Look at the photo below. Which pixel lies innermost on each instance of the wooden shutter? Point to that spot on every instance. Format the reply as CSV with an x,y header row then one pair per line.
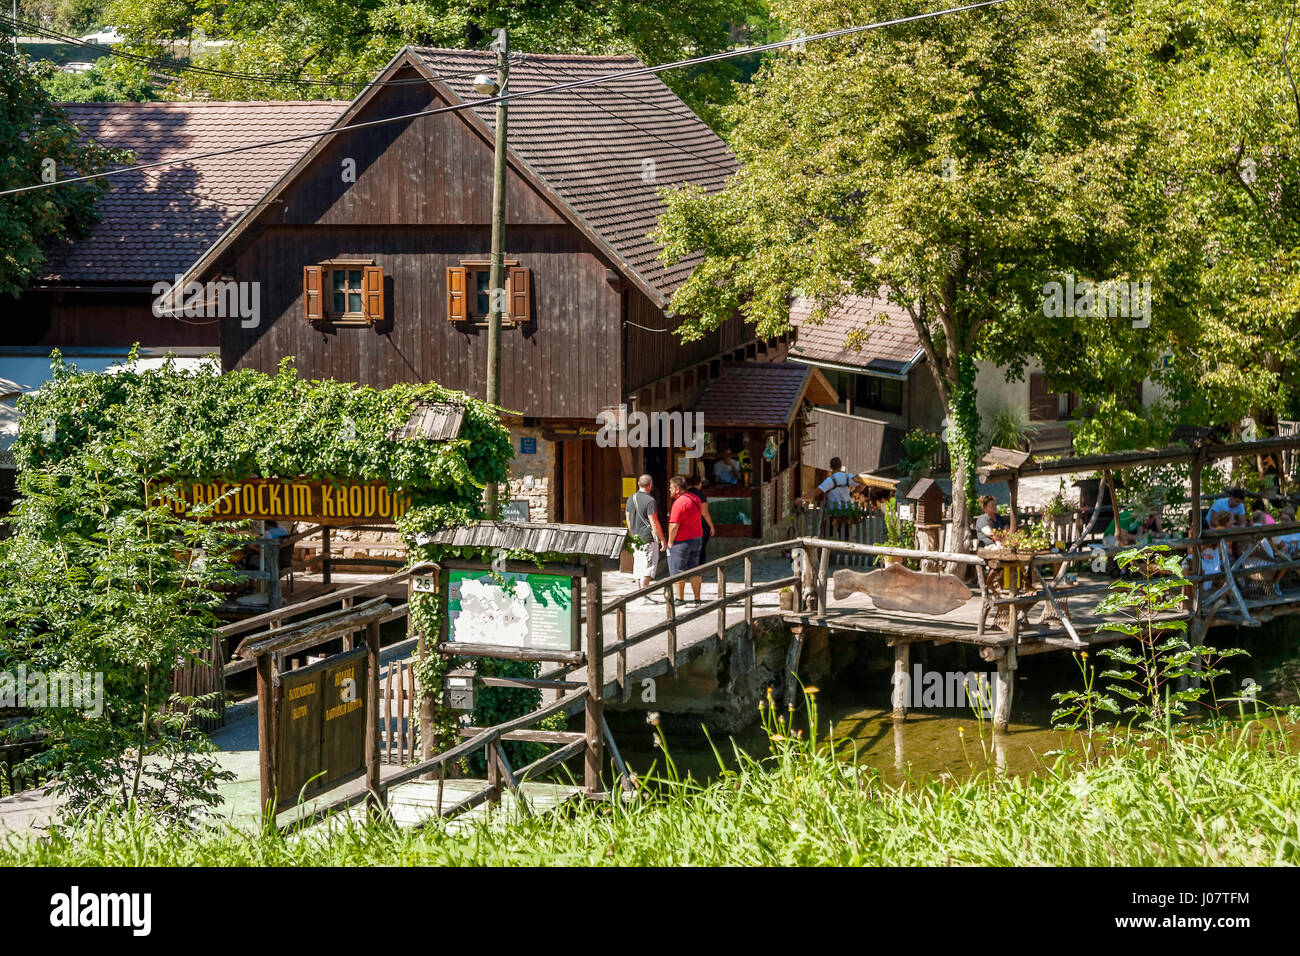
x,y
519,296
313,279
1043,405
372,294
456,279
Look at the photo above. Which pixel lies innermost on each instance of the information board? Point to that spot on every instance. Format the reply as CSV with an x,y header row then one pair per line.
x,y
512,609
321,736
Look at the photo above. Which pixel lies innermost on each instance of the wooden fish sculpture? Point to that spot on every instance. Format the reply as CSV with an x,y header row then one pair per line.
x,y
896,588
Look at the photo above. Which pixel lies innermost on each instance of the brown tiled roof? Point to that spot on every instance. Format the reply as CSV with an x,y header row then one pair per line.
x,y
589,144
887,347
154,223
764,395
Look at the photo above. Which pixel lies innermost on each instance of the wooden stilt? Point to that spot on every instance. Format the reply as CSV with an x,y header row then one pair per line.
x,y
374,796
792,655
1005,690
902,691
595,704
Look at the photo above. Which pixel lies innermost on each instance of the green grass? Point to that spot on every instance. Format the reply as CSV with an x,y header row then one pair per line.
x,y
1226,799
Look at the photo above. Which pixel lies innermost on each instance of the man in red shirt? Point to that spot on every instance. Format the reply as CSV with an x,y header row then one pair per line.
x,y
685,535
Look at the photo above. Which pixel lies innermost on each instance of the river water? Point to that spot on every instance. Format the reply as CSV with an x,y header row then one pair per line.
x,y
935,742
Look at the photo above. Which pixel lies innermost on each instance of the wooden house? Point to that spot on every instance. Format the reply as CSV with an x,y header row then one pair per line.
x,y
371,253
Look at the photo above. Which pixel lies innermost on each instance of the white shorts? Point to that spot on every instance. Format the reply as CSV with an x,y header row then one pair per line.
x,y
645,560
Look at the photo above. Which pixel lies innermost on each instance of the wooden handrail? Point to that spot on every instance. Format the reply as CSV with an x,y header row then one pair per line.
x,y
324,600
482,740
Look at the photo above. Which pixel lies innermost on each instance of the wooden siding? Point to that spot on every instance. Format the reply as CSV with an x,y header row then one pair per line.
x,y
564,364
90,319
862,444
650,355
435,170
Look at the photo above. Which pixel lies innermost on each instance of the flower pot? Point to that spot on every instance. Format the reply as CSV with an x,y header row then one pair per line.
x,y
787,600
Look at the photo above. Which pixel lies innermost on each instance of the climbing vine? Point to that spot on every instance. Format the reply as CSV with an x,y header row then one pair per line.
x,y
99,576
964,427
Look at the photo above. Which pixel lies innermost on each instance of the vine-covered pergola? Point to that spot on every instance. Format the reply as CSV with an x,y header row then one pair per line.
x,y
133,485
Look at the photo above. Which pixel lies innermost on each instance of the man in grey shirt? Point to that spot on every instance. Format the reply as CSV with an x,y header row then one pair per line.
x,y
642,518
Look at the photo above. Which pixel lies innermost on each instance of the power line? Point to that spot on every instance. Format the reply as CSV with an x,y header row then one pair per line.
x,y
171,67
522,94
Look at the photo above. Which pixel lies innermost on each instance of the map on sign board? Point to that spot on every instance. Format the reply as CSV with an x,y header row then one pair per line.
x,y
514,609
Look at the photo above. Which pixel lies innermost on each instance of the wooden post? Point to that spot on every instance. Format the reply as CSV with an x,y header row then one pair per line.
x,y
749,583
347,635
1196,527
1006,685
266,733
325,554
271,561
497,273
807,581
671,610
792,655
374,799
823,575
722,602
620,619
1012,487
901,694
595,703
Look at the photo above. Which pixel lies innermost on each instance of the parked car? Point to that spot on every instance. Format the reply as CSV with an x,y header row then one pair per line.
x,y
105,35
80,66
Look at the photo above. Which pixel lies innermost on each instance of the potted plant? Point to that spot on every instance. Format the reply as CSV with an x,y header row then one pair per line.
x,y
895,533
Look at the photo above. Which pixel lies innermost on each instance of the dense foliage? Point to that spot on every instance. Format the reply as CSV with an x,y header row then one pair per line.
x,y
40,145
955,166
341,44
1224,799
99,576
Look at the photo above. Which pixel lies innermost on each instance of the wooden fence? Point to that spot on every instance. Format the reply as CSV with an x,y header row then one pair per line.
x,y
400,717
11,755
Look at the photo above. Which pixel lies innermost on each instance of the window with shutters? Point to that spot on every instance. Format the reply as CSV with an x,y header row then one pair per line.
x,y
344,292
469,293
1046,405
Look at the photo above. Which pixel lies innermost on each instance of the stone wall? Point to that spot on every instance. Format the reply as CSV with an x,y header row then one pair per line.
x,y
539,466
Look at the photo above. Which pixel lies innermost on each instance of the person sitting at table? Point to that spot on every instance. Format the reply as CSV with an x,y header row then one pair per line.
x,y
1233,504
1263,555
1259,506
1123,533
726,471
1288,543
989,523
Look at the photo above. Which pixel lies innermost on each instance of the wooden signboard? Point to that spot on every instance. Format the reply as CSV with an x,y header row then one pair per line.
x,y
308,500
531,611
320,736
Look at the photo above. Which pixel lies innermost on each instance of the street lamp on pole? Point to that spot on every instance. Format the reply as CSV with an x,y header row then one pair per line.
x,y
497,279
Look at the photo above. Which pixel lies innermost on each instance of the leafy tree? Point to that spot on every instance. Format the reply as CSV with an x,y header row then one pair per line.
x,y
39,140
348,41
1216,80
100,576
954,165
112,82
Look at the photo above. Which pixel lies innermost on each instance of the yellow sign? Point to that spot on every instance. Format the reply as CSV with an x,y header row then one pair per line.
x,y
308,500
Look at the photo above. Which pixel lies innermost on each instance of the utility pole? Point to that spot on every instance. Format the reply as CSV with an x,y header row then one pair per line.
x,y
498,274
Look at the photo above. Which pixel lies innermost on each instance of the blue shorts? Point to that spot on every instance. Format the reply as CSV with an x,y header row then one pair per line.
x,y
684,555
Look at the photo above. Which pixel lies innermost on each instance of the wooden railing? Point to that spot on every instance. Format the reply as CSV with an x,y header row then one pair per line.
x,y
812,557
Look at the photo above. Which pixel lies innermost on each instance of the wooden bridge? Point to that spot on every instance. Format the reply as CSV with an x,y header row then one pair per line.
x,y
1015,605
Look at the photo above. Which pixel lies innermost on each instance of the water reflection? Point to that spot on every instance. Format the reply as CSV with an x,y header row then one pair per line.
x,y
950,744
